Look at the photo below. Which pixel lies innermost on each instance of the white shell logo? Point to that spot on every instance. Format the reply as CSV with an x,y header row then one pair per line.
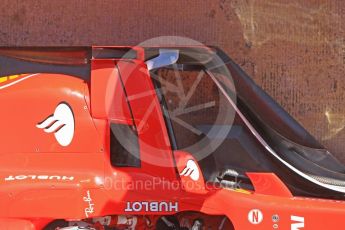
x,y
191,170
61,123
255,216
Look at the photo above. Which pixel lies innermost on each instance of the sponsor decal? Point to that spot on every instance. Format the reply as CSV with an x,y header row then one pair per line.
x,y
39,177
255,216
152,206
275,218
191,170
298,222
90,208
61,123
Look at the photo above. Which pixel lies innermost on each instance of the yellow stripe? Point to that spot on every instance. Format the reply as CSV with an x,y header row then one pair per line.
x,y
3,79
13,76
243,191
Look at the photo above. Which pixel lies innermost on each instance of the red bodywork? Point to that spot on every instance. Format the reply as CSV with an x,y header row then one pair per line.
x,y
42,181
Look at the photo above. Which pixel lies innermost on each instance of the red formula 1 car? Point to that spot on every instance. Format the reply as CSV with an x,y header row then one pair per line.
x,y
154,138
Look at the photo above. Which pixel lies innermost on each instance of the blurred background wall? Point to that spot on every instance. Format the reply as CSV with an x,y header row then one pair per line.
x,y
294,49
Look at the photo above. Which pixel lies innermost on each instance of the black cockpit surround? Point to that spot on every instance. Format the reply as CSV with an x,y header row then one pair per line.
x,y
288,139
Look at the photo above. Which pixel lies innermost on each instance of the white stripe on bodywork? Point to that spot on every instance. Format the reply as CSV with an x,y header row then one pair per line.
x,y
17,81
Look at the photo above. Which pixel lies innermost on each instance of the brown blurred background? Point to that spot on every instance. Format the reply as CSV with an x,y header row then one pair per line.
x,y
294,49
